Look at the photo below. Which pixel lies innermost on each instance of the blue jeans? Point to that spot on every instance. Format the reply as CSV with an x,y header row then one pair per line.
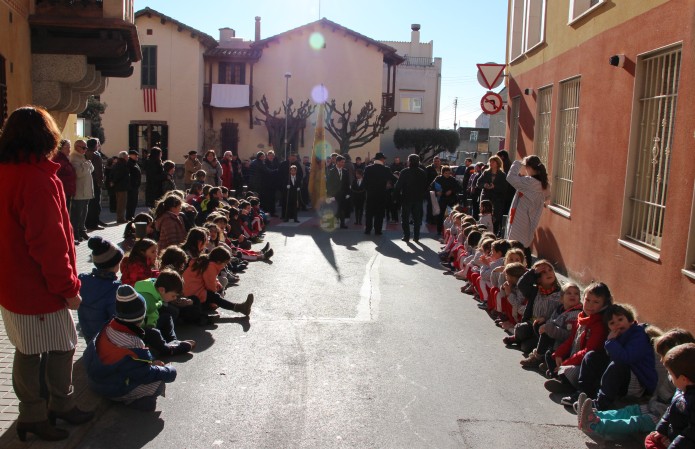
x,y
78,214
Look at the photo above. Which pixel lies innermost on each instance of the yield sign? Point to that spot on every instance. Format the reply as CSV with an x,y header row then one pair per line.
x,y
490,74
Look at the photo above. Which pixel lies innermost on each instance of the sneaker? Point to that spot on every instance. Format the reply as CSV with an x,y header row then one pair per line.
x,y
482,306
588,417
577,406
180,347
570,399
557,386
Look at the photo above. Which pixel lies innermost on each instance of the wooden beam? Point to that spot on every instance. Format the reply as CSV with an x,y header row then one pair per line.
x,y
95,48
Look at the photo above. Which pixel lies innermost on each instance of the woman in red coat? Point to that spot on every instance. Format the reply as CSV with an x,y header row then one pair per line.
x,y
39,280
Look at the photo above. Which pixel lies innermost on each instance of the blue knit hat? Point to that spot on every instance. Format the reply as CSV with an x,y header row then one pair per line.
x,y
130,305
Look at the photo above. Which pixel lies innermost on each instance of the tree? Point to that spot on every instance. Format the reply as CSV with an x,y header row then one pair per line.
x,y
93,113
354,133
275,124
426,143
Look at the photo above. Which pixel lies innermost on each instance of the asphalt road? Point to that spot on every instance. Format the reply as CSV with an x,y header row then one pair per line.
x,y
353,342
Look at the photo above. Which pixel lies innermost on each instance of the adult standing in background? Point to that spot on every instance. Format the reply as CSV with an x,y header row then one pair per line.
x,y
93,221
412,186
190,167
120,183
446,193
154,172
532,191
273,165
338,188
135,179
66,172
227,170
493,183
376,176
261,179
84,189
432,172
506,164
213,169
39,281
397,165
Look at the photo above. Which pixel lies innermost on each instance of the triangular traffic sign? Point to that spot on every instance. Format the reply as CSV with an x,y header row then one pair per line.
x,y
491,74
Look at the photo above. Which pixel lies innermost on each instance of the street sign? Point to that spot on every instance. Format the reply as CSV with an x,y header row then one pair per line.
x,y
490,75
491,103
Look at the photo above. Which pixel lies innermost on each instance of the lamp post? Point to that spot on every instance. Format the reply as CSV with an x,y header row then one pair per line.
x,y
288,75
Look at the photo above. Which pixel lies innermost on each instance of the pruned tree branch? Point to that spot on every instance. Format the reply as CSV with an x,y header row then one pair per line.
x,y
354,133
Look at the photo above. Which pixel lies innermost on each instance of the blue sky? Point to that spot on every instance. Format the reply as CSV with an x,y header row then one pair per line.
x,y
465,32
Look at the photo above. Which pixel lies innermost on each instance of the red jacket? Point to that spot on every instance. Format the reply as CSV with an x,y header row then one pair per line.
x,y
592,337
66,173
38,269
131,272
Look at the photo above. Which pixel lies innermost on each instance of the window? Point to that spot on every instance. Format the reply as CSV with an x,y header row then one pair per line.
x,y
3,92
527,26
149,66
474,136
542,141
564,156
411,102
514,127
145,135
657,80
232,73
580,8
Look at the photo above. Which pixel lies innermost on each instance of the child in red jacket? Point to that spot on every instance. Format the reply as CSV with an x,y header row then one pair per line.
x,y
138,264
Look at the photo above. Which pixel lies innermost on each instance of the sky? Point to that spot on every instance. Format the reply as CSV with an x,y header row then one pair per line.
x,y
464,32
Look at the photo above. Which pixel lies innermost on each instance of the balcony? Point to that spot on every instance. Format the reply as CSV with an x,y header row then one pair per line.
x,y
416,61
388,106
87,40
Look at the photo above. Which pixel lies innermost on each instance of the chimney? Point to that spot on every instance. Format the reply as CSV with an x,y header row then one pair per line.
x,y
226,35
415,33
258,28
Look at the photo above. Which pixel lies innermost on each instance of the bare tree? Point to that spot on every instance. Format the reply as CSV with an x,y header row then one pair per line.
x,y
275,123
354,132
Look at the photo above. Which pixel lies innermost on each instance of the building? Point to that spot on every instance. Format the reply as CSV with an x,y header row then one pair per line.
x,y
600,90
56,54
206,91
474,144
418,88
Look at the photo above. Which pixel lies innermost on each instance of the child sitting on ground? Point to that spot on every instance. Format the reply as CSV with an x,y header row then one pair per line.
x,y
498,251
159,322
486,214
675,430
636,418
99,287
168,222
513,299
119,365
139,263
129,237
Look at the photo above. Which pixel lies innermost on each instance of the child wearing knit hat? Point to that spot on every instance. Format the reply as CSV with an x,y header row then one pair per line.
x,y
99,287
119,365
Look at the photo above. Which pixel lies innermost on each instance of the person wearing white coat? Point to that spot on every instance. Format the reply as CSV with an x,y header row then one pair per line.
x,y
84,190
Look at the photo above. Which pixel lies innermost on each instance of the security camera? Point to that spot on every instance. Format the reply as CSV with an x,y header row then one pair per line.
x,y
617,60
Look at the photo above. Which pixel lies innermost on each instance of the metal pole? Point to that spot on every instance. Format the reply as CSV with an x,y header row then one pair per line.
x,y
288,75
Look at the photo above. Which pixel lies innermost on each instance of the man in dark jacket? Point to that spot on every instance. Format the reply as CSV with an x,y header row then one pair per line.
x,y
262,182
94,155
120,183
412,186
135,179
284,177
376,176
338,188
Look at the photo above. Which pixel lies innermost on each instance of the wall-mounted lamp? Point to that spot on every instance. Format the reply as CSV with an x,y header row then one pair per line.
x,y
617,60
528,91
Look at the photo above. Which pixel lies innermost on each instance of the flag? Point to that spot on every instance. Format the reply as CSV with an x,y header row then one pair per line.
x,y
150,98
317,173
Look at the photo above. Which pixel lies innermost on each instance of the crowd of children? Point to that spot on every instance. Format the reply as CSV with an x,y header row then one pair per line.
x,y
178,264
592,351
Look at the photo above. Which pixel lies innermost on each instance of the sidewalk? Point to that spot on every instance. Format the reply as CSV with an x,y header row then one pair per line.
x,y
85,398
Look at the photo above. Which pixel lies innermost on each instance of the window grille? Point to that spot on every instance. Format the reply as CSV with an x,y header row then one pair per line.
x,y
514,127
542,142
473,137
564,158
657,107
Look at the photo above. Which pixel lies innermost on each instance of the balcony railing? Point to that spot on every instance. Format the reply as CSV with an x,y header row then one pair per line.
x,y
417,61
388,102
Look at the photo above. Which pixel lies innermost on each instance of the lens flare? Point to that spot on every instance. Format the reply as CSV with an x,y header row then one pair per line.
x,y
319,94
323,150
317,41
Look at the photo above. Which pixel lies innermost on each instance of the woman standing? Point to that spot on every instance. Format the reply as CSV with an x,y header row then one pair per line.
x,y
154,171
493,183
527,206
213,169
446,188
66,172
39,279
84,189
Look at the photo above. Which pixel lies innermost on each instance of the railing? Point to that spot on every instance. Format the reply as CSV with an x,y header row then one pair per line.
x,y
418,61
388,102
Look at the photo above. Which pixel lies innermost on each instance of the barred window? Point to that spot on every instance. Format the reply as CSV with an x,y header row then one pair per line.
x,y
514,127
565,148
149,66
657,81
542,141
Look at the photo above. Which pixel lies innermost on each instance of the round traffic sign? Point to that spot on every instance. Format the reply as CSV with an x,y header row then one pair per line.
x,y
491,103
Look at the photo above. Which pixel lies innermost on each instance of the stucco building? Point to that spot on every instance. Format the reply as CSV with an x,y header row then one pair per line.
x,y
600,90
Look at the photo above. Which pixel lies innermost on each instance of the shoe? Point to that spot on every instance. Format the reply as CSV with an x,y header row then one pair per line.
x,y
482,305
245,307
180,347
577,406
96,228
405,239
446,265
570,399
416,239
266,247
84,235
256,240
182,302
42,429
588,416
510,340
268,254
77,242
101,223
377,232
296,221
460,275
532,361
73,416
542,367
557,386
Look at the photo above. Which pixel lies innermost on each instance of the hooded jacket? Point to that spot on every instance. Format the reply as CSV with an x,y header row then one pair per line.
x,y
98,305
634,348
153,300
590,333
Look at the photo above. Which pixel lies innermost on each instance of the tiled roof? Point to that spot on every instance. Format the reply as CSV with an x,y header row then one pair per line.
x,y
241,53
389,52
205,39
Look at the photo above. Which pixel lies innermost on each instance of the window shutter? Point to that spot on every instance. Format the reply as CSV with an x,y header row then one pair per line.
x,y
133,137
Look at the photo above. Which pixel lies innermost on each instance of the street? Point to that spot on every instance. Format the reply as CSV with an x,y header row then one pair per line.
x,y
353,341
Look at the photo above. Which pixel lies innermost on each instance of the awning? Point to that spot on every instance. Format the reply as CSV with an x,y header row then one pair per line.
x,y
229,96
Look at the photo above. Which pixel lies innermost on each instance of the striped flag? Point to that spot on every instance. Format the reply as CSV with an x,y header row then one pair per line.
x,y
150,97
317,173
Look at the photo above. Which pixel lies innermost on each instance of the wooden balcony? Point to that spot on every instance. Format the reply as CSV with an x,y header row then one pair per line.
x,y
388,105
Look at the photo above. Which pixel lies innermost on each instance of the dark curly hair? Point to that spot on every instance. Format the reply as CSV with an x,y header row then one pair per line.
x,y
29,134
